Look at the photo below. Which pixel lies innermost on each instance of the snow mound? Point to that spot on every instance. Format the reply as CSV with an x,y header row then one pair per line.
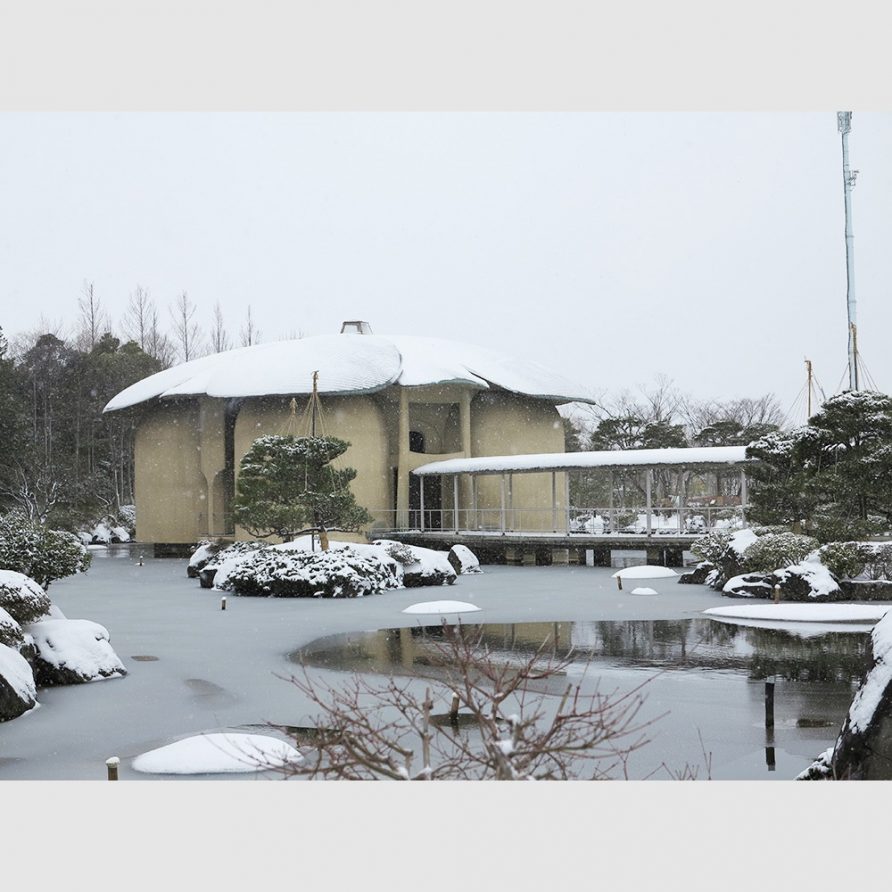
x,y
348,365
218,754
804,613
71,651
438,607
646,571
644,591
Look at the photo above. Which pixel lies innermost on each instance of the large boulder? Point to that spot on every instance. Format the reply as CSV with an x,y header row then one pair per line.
x,y
201,557
749,585
18,692
463,560
699,575
420,566
21,597
72,651
863,749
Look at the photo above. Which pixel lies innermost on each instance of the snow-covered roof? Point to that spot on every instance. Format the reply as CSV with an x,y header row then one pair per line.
x,y
349,364
700,457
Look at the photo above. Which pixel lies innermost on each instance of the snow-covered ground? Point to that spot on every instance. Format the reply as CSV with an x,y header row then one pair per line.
x,y
195,669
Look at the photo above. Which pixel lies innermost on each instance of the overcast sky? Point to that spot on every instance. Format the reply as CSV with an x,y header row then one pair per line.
x,y
611,247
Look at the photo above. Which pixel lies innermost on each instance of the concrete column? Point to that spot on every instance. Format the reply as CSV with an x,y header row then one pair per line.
x,y
464,410
648,486
455,502
554,528
743,492
212,459
402,484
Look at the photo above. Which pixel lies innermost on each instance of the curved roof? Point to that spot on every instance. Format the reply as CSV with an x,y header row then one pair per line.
x,y
349,364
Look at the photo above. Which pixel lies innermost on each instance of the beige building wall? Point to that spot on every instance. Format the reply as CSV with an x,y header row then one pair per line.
x,y
356,419
171,491
508,424
182,476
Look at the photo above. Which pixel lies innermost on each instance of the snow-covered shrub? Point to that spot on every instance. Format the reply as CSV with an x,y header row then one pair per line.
x,y
399,551
724,550
775,550
338,573
42,554
845,560
72,651
712,547
879,562
213,574
10,631
21,597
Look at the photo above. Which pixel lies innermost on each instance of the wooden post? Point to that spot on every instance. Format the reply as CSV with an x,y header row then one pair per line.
x,y
112,767
223,603
769,704
619,582
777,594
453,711
743,491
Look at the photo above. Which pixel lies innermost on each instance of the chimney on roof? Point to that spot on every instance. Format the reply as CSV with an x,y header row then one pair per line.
x,y
356,326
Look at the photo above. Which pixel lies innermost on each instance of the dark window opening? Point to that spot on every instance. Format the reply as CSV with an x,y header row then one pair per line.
x,y
416,441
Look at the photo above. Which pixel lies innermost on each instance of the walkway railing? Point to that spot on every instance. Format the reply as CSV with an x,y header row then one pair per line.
x,y
691,520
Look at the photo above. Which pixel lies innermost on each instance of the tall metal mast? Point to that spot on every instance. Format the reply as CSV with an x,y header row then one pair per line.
x,y
844,125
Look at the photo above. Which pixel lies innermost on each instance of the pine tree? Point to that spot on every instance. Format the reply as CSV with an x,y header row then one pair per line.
x,y
835,474
286,485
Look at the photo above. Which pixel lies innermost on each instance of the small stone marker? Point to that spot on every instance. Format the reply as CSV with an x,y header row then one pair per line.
x,y
777,594
112,767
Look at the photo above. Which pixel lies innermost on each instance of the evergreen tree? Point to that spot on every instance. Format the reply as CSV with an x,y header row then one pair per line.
x,y
834,474
287,484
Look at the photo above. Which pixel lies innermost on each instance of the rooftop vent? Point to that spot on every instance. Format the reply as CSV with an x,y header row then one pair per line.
x,y
355,326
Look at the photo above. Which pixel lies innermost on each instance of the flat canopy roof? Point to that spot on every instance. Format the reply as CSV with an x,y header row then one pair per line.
x,y
699,458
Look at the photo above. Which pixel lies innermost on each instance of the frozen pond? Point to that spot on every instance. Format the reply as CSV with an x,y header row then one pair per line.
x,y
194,668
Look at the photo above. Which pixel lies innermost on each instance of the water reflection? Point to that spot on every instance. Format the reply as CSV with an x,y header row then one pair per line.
x,y
762,703
695,644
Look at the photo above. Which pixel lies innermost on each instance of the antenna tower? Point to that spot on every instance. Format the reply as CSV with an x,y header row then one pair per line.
x,y
844,125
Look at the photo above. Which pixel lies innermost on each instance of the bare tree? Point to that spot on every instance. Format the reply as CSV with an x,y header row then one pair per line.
x,y
158,344
249,333
137,319
219,335
34,490
509,718
186,332
94,321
